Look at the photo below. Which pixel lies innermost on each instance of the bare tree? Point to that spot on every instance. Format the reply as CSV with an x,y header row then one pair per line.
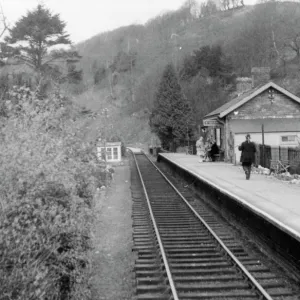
x,y
294,44
193,7
4,26
225,4
290,29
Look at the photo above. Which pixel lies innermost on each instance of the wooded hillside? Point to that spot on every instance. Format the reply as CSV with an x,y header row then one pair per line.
x,y
124,66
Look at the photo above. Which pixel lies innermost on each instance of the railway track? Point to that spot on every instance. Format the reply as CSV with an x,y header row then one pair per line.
x,y
182,255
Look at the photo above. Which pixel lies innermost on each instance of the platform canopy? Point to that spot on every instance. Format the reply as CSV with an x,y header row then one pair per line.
x,y
212,121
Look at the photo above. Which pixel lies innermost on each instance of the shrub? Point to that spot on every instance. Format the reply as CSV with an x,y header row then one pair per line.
x,y
48,178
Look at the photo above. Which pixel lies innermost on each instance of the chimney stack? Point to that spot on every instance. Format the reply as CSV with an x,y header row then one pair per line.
x,y
243,84
260,75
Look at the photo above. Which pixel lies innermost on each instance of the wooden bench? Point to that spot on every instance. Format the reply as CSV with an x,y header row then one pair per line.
x,y
219,156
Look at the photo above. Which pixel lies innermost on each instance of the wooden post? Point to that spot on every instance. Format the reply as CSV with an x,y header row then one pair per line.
x,y
263,144
188,138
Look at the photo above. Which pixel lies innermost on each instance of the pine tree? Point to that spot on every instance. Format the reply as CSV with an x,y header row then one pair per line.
x,y
171,118
33,36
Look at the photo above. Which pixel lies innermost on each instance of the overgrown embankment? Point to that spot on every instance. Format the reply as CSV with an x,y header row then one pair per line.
x,y
48,178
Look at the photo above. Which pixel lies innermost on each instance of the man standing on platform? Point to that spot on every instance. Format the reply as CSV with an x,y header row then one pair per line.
x,y
248,155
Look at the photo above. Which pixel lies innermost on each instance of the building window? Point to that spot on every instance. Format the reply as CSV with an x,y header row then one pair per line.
x,y
288,138
108,154
102,153
115,153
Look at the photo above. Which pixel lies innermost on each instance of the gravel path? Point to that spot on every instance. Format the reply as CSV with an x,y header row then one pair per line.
x,y
112,257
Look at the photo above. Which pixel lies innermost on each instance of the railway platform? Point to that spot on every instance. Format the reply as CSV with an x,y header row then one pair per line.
x,y
276,201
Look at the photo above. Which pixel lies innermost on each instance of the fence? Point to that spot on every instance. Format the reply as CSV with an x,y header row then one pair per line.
x,y
266,154
263,156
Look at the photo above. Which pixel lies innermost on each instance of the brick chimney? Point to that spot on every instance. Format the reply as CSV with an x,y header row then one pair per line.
x,y
260,75
243,84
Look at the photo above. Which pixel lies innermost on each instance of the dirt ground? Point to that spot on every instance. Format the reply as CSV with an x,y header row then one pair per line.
x,y
112,259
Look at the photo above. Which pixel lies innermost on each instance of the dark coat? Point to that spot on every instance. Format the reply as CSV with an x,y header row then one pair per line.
x,y
214,149
248,152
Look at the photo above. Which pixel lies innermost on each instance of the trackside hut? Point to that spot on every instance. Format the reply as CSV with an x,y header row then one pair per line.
x,y
269,106
109,151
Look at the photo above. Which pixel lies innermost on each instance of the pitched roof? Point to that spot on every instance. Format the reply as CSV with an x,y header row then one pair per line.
x,y
108,144
233,104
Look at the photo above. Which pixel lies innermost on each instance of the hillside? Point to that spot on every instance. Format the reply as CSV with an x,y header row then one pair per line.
x,y
167,37
124,66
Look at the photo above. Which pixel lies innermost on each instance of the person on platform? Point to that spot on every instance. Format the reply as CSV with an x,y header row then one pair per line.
x,y
207,147
200,149
248,155
214,149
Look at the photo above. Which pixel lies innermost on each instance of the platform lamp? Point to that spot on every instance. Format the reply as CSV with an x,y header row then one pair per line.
x,y
204,129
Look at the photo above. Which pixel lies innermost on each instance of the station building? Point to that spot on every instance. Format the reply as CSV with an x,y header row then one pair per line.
x,y
267,111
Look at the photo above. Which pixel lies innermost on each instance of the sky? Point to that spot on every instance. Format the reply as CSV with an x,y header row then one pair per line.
x,y
86,18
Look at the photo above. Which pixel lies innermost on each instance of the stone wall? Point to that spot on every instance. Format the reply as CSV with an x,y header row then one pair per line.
x,y
263,107
243,84
279,114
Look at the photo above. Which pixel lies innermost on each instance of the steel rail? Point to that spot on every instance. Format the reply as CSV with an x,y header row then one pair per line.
x,y
232,256
166,264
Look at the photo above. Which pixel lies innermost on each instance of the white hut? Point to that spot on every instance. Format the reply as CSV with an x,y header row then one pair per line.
x,y
112,150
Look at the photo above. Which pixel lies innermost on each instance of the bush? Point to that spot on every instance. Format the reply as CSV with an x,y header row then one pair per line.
x,y
48,178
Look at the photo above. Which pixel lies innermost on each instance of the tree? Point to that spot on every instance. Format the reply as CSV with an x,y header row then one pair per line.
x,y
204,96
257,42
3,25
3,29
99,75
191,7
123,62
74,75
171,118
290,27
34,35
208,8
98,71
207,59
51,184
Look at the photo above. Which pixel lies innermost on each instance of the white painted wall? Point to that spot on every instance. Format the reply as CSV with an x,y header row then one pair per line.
x,y
271,139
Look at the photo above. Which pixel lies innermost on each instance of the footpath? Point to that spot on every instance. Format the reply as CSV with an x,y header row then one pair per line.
x,y
275,200
112,259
